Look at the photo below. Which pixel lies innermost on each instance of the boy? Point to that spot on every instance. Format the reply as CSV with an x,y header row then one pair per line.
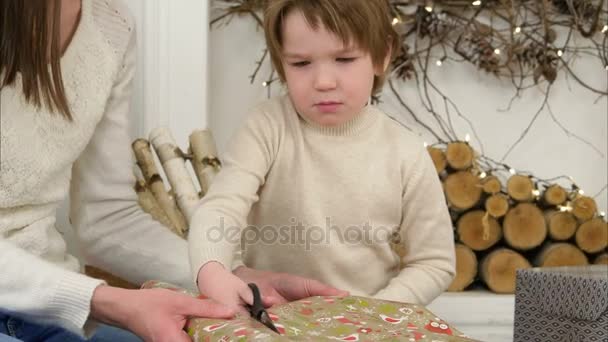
x,y
321,156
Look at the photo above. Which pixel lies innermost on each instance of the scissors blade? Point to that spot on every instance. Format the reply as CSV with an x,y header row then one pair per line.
x,y
265,319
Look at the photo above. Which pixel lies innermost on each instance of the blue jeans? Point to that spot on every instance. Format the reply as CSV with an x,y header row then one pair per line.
x,y
13,329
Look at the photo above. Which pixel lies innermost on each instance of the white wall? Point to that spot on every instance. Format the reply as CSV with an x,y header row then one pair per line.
x,y
546,151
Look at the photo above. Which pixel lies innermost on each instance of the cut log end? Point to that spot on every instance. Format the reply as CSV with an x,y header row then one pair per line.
x,y
462,190
459,155
524,227
497,205
478,230
498,269
491,185
560,254
520,188
438,158
555,195
601,259
584,208
561,225
466,268
592,236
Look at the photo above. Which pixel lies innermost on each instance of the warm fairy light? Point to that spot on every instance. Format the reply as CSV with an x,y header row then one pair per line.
x,y
564,208
483,175
467,138
265,84
429,9
395,21
517,29
476,2
497,51
536,192
605,29
439,62
426,144
512,171
581,192
560,53
602,214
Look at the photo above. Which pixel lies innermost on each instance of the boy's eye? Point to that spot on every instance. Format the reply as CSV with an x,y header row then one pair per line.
x,y
300,64
345,59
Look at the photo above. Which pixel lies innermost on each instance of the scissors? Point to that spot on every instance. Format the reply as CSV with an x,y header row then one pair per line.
x,y
257,310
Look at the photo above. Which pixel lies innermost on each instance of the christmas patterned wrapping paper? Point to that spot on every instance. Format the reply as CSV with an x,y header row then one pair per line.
x,y
328,319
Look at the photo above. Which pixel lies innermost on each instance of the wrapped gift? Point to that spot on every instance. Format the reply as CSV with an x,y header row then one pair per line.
x,y
562,304
348,318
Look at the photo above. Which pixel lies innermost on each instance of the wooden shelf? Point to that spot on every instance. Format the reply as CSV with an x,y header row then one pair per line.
x,y
480,314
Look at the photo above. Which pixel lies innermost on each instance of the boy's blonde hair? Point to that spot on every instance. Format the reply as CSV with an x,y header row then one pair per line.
x,y
367,23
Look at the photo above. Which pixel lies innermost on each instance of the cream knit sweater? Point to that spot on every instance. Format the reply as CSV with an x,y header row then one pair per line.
x,y
44,156
321,202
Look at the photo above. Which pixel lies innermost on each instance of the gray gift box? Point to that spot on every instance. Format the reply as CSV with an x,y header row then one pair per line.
x,y
562,304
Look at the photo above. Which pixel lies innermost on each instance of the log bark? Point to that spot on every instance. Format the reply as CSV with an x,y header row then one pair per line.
x,y
520,188
491,185
478,230
466,268
145,160
584,208
592,236
524,227
205,161
561,225
497,205
459,155
555,195
498,269
462,190
560,254
148,203
174,165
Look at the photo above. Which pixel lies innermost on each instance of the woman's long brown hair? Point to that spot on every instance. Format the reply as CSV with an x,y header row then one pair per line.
x,y
29,44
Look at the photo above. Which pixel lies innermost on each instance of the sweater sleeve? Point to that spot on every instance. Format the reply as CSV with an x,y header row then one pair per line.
x,y
426,231
115,234
216,227
42,292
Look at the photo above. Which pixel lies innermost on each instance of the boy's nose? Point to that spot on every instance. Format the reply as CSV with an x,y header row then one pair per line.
x,y
324,80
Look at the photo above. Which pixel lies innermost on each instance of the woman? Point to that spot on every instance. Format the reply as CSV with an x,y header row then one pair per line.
x,y
66,73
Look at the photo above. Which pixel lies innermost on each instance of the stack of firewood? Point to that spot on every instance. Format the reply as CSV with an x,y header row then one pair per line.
x,y
500,227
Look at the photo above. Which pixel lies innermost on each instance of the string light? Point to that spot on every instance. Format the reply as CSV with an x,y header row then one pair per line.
x,y
581,192
605,29
497,51
429,9
439,63
536,192
483,175
512,171
602,214
517,30
560,53
395,21
476,3
564,208
426,144
467,138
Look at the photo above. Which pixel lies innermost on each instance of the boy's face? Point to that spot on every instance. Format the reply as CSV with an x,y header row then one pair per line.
x,y
329,83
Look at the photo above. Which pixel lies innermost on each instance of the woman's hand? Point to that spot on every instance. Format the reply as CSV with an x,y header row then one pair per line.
x,y
157,315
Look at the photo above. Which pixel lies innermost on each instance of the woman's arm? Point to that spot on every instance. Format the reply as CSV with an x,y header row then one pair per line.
x,y
116,235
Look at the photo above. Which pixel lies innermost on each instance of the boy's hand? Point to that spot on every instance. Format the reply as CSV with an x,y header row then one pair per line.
x,y
219,284
152,314
279,288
